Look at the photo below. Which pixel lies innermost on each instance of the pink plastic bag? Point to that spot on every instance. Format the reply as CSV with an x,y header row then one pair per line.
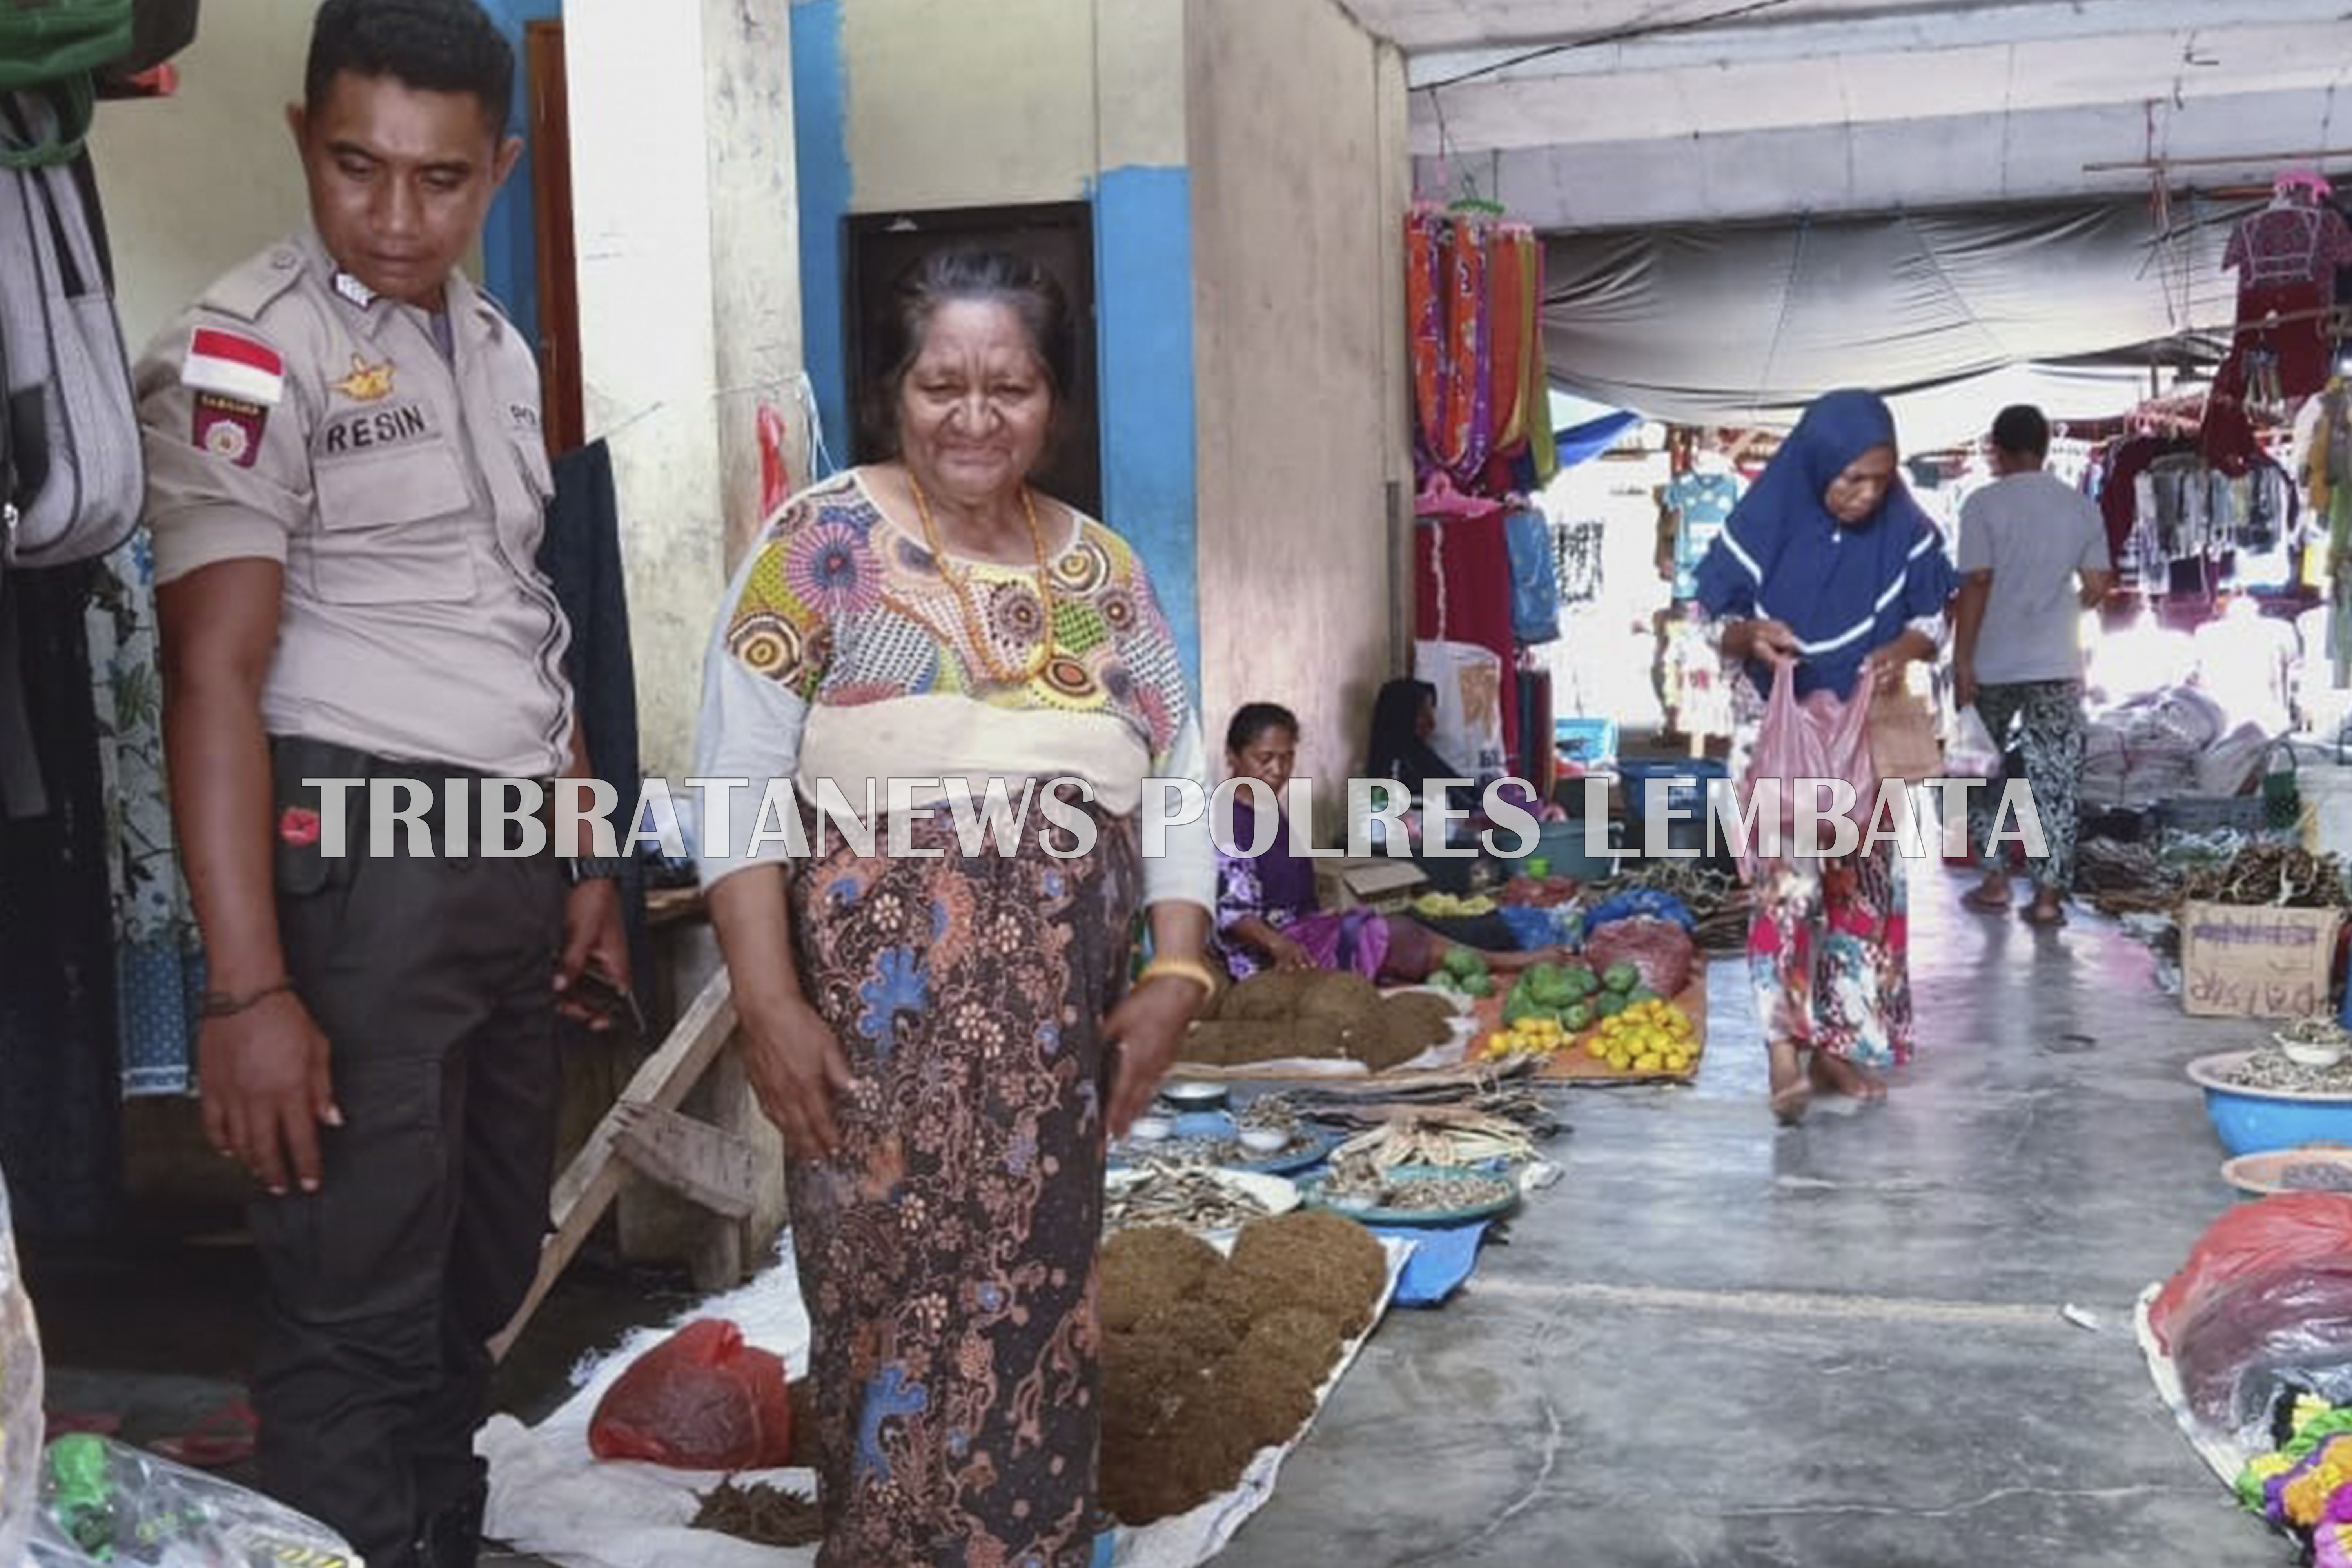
x,y
1818,737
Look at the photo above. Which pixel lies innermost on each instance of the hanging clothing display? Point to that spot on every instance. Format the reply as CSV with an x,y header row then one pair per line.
x,y
2285,258
1701,504
1482,403
158,962
2287,243
2327,473
60,1115
1577,547
1462,585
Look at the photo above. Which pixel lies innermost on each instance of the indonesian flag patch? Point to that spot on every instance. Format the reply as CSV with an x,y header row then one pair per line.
x,y
234,366
229,429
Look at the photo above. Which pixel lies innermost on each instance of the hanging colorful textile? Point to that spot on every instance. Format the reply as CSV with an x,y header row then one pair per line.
x,y
1507,298
1425,232
1543,445
1466,435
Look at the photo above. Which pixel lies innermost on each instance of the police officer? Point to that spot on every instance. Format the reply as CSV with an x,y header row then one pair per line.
x,y
346,491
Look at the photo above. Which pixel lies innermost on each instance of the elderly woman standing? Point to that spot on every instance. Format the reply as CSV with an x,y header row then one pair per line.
x,y
945,1041
1830,574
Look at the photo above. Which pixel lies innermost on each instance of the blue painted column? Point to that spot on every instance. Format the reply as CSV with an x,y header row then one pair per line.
x,y
510,235
821,161
1143,290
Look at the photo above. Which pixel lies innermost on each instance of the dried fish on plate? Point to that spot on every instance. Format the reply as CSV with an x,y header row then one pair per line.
x,y
1417,1190
1193,1197
1435,1136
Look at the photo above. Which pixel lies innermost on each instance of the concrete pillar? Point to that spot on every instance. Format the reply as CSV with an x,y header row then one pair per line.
x,y
686,218
690,305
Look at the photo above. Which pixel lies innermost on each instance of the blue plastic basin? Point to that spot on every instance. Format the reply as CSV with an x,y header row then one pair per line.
x,y
2259,1122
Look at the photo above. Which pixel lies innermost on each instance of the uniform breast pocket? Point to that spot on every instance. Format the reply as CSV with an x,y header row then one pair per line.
x,y
393,529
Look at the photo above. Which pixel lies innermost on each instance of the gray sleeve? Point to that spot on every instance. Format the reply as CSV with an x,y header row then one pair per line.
x,y
1974,553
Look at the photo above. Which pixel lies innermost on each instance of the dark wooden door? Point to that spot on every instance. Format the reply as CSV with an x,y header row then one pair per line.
x,y
559,279
1060,237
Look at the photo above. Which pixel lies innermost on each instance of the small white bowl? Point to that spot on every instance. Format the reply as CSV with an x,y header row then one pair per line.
x,y
1193,1094
2309,1053
1152,1128
1264,1140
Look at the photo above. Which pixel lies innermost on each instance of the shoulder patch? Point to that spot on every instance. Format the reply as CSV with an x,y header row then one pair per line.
x,y
234,366
248,291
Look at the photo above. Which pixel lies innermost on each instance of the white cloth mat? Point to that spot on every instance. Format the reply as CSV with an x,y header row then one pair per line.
x,y
551,1497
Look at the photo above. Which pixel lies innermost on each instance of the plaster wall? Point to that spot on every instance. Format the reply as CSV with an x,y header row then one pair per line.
x,y
196,183
1297,144
690,307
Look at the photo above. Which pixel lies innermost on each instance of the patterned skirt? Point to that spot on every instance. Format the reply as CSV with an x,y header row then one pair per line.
x,y
1829,956
947,1252
1829,943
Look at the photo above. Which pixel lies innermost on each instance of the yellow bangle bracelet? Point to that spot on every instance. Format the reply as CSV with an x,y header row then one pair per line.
x,y
1191,969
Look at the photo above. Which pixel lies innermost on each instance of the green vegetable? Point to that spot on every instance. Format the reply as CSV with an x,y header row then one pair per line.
x,y
1524,1004
1621,977
1640,994
1578,1018
1464,962
1550,982
1581,981
1478,984
1613,1003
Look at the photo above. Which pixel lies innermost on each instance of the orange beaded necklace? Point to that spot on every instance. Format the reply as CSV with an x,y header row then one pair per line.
x,y
959,580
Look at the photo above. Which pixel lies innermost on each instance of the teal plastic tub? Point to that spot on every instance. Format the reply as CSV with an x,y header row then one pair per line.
x,y
1560,845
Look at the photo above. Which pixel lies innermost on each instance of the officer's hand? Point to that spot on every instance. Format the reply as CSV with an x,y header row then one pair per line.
x,y
594,935
1145,1029
797,1069
264,1078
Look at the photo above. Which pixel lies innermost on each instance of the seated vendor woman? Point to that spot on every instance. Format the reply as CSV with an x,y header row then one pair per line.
x,y
1267,917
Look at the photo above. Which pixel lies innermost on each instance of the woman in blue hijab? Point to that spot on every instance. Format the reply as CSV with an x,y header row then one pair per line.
x,y
1829,563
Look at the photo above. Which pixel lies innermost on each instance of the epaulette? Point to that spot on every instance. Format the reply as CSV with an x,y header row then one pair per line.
x,y
247,291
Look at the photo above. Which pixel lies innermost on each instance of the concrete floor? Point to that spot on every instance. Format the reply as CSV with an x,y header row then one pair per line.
x,y
1718,1343
1715,1343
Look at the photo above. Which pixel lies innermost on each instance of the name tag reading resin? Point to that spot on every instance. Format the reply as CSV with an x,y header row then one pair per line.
x,y
379,427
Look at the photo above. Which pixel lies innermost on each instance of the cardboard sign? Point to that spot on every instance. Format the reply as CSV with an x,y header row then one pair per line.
x,y
1381,882
2238,961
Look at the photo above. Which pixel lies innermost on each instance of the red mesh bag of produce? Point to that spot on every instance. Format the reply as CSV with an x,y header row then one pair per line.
x,y
700,1400
1660,949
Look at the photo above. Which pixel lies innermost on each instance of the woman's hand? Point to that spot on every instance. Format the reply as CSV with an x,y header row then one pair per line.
x,y
1765,639
1885,666
1288,957
797,1069
1145,1029
1884,671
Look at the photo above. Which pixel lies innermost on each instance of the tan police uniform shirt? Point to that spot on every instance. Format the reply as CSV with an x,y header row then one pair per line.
x,y
292,415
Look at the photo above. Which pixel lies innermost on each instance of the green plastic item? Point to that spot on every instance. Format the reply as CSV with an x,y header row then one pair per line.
x,y
47,52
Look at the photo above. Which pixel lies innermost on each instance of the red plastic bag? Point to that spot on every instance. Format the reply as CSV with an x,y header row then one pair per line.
x,y
700,1400
1818,737
2292,1231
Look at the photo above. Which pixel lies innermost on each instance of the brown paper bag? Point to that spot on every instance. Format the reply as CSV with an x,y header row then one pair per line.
x,y
1902,740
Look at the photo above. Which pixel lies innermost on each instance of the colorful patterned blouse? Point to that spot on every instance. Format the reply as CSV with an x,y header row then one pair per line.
x,y
844,654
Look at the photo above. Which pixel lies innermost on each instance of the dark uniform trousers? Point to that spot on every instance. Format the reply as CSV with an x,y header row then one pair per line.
x,y
432,979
